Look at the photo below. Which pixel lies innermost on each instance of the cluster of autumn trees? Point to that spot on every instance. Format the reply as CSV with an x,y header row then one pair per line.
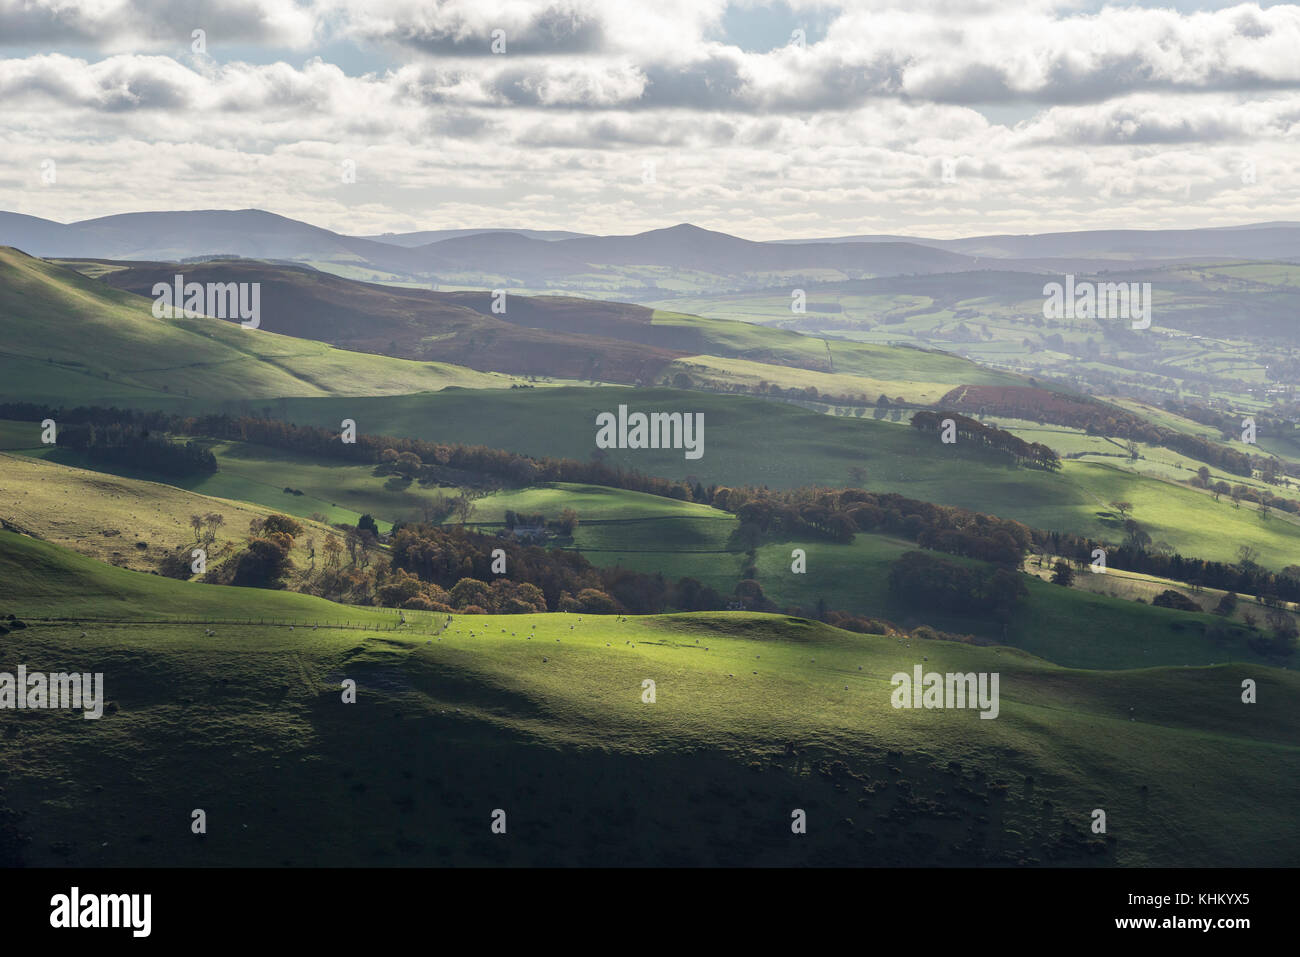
x,y
974,432
924,582
116,444
452,569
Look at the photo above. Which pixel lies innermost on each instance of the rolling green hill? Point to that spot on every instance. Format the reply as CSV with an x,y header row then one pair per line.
x,y
69,339
488,703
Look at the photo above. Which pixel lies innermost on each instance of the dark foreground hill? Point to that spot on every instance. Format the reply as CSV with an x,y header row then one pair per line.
x,y
232,699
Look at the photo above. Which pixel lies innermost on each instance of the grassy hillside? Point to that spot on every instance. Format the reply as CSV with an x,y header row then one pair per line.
x,y
773,713
553,336
69,339
123,521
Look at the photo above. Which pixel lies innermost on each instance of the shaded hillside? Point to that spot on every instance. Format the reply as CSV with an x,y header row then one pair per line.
x,y
74,339
563,338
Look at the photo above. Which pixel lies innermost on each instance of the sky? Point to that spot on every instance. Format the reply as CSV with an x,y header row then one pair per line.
x,y
767,120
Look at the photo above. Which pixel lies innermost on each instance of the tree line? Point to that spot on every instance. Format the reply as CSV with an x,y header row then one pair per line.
x,y
972,431
138,448
1243,577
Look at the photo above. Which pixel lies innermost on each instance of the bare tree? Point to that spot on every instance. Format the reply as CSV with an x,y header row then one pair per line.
x,y
463,504
214,521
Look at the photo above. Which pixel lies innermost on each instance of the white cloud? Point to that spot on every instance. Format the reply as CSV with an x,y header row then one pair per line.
x,y
1129,117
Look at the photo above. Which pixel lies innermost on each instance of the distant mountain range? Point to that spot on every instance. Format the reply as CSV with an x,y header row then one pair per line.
x,y
424,237
627,267
1255,241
